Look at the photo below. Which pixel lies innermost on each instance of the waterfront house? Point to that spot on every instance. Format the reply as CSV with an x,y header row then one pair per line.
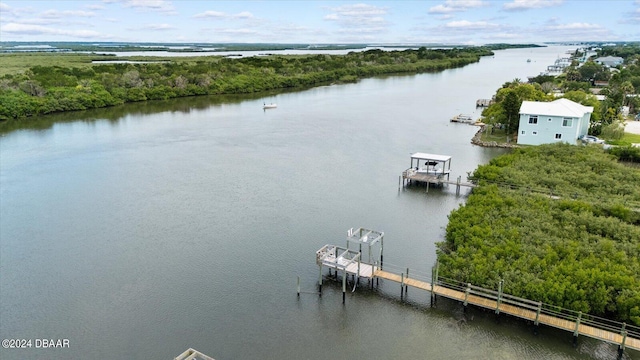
x,y
610,61
560,120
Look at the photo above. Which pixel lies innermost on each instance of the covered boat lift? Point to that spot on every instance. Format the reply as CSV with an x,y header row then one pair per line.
x,y
427,168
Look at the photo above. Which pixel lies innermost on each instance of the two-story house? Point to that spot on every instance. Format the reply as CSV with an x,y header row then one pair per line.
x,y
561,120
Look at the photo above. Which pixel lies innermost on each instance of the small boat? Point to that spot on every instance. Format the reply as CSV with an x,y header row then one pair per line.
x,y
269,106
462,118
528,60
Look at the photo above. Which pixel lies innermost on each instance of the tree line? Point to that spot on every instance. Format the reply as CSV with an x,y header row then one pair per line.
x,y
50,89
558,223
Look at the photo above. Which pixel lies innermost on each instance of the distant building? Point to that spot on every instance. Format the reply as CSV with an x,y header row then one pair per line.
x,y
610,61
560,120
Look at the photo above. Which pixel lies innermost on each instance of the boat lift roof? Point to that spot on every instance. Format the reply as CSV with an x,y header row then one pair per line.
x,y
364,236
426,156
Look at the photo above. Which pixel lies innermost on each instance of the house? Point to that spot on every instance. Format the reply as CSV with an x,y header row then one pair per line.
x,y
560,120
610,61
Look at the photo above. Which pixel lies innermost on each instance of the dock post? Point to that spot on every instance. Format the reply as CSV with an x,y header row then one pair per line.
x,y
320,281
399,182
623,332
536,323
298,287
466,297
406,288
499,297
344,285
458,186
401,285
576,332
427,186
434,280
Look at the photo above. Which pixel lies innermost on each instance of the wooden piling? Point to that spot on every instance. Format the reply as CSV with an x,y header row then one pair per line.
x,y
320,281
499,297
344,286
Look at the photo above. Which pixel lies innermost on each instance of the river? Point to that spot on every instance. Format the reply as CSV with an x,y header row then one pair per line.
x,y
139,231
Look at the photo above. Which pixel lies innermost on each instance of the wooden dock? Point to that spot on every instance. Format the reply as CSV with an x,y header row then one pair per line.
x,y
349,262
581,324
484,102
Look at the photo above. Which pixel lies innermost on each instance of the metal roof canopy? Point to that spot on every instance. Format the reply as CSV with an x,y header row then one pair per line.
x,y
426,156
366,236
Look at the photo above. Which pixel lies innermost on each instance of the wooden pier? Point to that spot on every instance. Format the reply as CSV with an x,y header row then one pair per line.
x,y
350,263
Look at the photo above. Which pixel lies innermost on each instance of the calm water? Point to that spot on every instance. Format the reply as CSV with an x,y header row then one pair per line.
x,y
139,231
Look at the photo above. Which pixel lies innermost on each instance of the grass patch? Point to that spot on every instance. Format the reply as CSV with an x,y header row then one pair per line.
x,y
495,135
631,138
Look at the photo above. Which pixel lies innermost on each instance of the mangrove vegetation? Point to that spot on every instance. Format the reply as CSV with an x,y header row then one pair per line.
x,y
558,223
81,84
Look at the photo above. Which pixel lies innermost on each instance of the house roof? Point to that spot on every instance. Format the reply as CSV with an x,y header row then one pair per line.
x,y
610,58
561,107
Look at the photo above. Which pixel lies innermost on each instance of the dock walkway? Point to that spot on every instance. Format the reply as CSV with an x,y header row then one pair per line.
x,y
349,262
581,324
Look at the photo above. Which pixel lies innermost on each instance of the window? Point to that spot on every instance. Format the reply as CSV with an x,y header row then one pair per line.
x,y
533,119
558,136
567,122
522,132
535,133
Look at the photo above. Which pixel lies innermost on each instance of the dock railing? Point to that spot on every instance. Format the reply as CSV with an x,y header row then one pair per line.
x,y
579,323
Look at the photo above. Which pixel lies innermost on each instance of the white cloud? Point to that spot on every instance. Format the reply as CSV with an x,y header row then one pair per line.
x,y
245,15
56,14
158,27
4,7
575,31
95,7
522,5
361,16
162,6
237,31
28,29
450,6
211,14
469,25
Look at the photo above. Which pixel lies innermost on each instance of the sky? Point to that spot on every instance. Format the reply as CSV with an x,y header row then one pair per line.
x,y
321,22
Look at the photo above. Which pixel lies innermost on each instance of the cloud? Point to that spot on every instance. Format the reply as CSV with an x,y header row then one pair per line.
x,y
632,17
95,7
211,14
575,31
162,6
450,6
522,5
29,29
158,27
245,15
360,16
55,14
469,25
